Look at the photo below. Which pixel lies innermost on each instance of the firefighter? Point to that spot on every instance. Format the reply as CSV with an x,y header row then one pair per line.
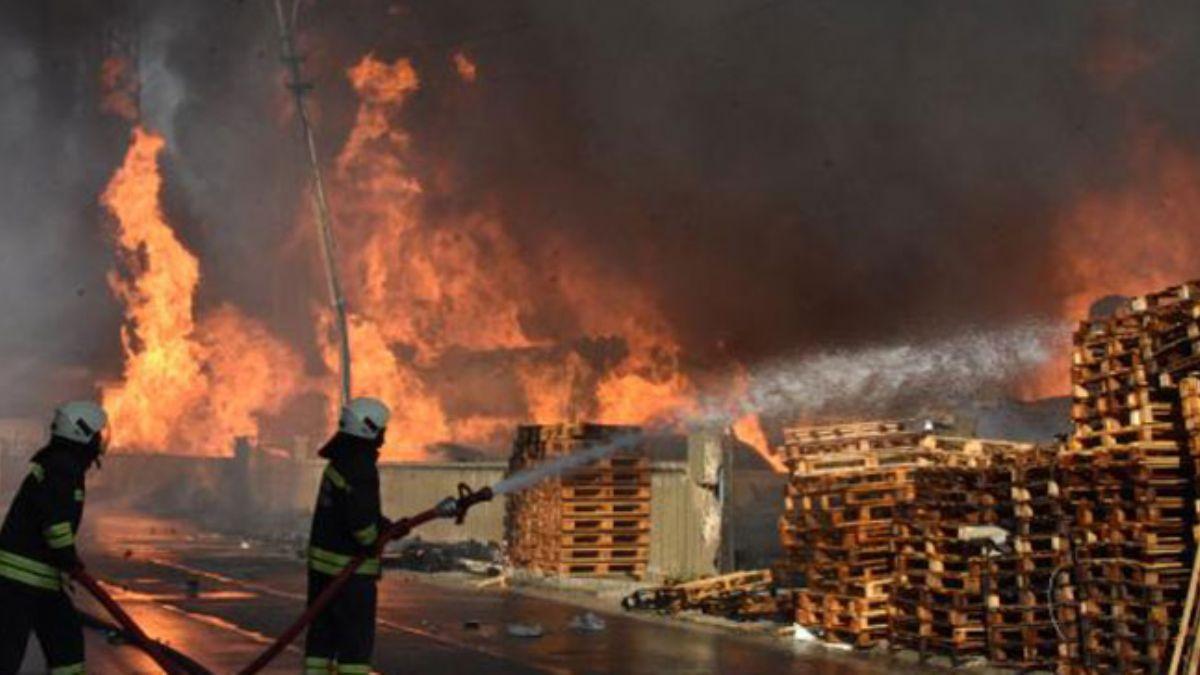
x,y
347,522
37,543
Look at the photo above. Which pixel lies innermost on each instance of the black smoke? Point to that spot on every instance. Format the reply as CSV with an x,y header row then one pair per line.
x,y
782,175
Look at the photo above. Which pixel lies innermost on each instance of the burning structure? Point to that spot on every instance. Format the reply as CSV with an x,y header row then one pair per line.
x,y
540,222
511,257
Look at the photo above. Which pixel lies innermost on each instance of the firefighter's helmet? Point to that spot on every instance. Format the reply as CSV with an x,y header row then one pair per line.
x,y
364,418
79,421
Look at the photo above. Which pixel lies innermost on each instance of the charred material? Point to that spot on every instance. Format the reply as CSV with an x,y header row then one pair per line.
x,y
740,596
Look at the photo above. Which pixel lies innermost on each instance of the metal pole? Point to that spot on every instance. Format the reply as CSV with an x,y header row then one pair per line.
x,y
320,205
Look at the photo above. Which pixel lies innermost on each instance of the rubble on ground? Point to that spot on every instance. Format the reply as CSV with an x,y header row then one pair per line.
x,y
741,596
526,630
426,556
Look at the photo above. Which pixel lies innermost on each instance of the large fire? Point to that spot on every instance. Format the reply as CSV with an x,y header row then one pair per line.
x,y
1130,241
423,292
426,296
188,387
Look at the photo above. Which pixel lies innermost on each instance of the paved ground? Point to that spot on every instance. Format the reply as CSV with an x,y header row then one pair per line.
x,y
241,595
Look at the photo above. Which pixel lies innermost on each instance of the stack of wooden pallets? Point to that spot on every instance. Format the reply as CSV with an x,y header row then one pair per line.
x,y
845,485
594,521
975,551
1130,482
1171,320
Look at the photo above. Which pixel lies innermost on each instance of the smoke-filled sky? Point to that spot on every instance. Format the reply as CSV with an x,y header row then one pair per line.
x,y
779,177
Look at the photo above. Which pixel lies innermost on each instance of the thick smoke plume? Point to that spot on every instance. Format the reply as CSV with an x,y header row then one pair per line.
x,y
762,178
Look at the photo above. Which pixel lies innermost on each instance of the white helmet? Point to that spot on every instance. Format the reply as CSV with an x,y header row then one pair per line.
x,y
78,421
364,418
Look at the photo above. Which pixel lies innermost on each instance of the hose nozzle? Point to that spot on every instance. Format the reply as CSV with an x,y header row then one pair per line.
x,y
465,500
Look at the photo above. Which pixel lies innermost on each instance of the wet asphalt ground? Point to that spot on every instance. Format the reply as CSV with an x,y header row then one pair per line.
x,y
217,600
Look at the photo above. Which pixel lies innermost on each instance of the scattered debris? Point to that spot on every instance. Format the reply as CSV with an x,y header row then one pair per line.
x,y
500,581
588,622
740,596
526,630
426,556
485,568
802,634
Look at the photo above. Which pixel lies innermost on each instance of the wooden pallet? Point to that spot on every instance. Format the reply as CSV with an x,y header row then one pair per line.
x,y
596,539
739,595
593,521
1128,480
605,524
622,493
636,570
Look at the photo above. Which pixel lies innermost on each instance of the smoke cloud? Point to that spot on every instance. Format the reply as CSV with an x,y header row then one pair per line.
x,y
789,184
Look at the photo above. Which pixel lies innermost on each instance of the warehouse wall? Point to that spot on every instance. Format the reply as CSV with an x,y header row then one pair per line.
x,y
676,545
752,518
411,488
272,495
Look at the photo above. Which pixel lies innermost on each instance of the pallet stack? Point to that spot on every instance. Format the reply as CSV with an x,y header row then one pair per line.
x,y
845,485
975,551
594,521
1129,483
1185,656
1172,322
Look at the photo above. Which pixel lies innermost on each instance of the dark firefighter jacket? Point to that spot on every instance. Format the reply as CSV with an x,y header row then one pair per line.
x,y
37,541
347,520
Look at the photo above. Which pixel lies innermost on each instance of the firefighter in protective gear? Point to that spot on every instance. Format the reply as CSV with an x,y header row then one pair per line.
x,y
37,543
347,522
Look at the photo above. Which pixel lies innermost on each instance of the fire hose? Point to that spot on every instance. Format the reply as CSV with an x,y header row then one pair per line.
x,y
450,507
152,648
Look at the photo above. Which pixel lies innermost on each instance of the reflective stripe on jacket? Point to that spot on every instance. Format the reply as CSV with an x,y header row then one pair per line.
x,y
29,572
347,519
37,539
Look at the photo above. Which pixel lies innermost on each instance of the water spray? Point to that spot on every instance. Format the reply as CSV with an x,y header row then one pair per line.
x,y
561,465
450,507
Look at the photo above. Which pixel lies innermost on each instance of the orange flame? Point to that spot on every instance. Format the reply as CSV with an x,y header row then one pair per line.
x,y
423,291
186,388
119,87
1127,242
748,430
465,67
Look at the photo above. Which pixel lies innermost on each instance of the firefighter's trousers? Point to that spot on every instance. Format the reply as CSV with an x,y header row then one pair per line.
x,y
47,614
342,637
